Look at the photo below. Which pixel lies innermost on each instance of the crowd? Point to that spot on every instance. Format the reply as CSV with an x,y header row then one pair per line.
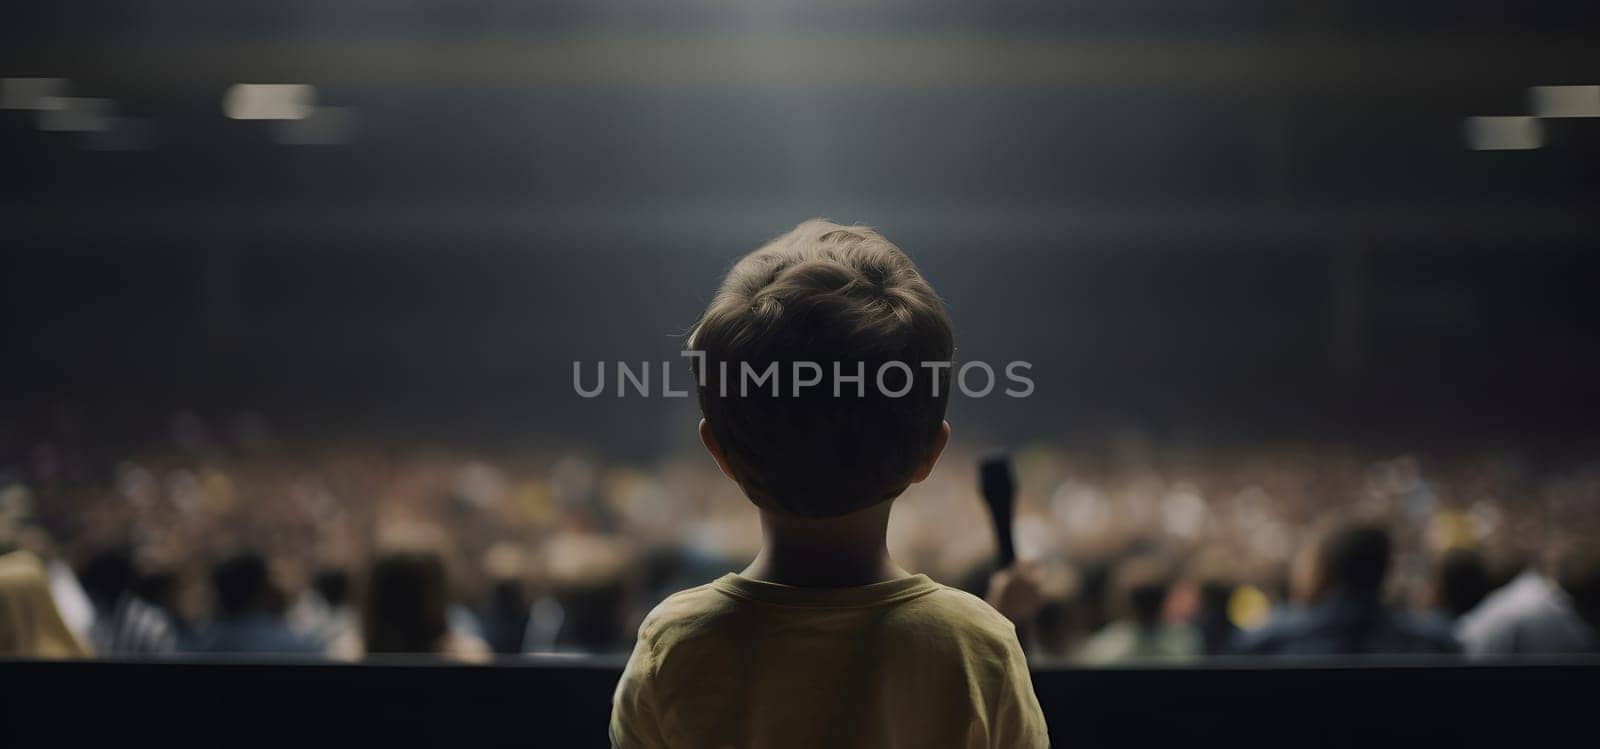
x,y
227,541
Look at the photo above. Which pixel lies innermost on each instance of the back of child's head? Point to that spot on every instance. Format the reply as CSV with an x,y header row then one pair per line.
x,y
792,326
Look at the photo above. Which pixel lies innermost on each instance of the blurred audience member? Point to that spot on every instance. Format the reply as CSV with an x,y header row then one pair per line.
x,y
1140,586
1343,586
71,600
589,577
406,608
30,625
1460,582
507,612
248,617
1202,598
124,624
1059,627
323,611
1542,614
1216,629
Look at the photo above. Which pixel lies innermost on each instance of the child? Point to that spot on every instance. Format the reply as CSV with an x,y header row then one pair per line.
x,y
822,368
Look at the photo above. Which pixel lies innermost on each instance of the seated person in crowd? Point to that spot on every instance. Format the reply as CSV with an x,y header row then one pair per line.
x,y
1460,582
824,641
507,612
247,619
589,582
30,624
325,610
1214,585
1344,613
407,606
124,623
1141,586
1542,612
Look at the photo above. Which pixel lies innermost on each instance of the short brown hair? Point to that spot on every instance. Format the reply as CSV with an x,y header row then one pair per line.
x,y
849,300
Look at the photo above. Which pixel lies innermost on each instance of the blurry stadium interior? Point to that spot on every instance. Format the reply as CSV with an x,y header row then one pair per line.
x,y
292,277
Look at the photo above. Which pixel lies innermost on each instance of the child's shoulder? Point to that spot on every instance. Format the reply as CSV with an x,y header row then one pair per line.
x,y
685,607
964,614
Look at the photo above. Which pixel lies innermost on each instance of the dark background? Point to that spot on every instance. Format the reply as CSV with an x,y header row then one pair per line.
x,y
1232,219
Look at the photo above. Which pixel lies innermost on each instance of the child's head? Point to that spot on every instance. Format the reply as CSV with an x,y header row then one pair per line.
x,y
820,301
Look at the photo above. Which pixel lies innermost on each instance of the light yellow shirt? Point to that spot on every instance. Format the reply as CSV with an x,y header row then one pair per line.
x,y
744,664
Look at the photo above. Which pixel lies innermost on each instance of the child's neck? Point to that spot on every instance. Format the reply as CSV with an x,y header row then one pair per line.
x,y
840,552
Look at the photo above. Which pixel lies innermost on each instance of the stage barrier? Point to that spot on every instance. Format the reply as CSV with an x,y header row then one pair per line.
x,y
564,702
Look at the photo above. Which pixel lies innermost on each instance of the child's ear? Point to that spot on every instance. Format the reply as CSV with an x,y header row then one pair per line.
x,y
710,441
939,441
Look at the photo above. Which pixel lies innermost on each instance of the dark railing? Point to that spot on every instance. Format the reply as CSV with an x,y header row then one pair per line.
x,y
565,702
